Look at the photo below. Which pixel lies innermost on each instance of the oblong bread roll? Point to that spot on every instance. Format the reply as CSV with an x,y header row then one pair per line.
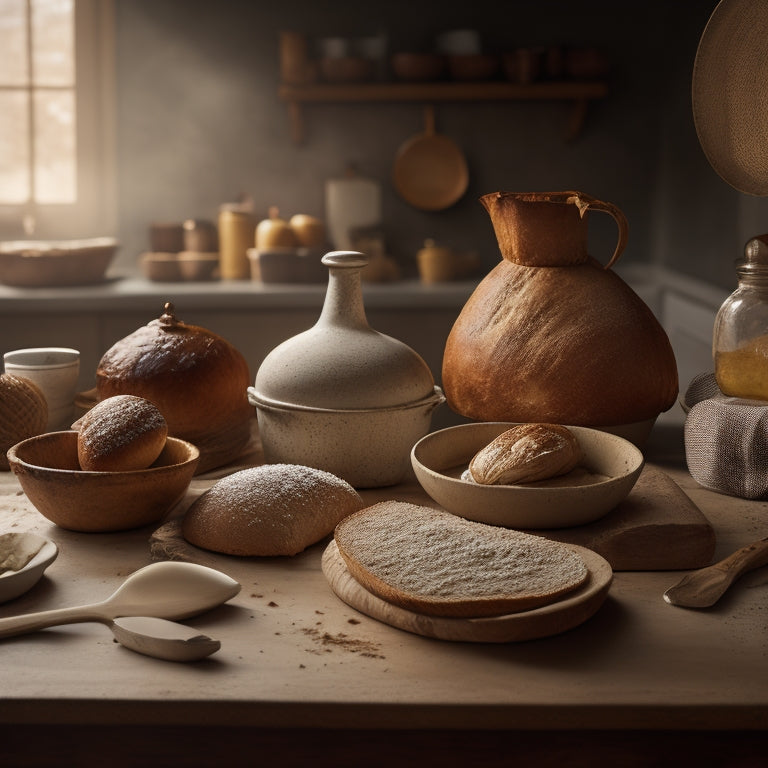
x,y
269,510
435,563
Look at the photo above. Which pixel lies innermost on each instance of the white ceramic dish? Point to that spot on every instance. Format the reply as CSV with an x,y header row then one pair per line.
x,y
16,583
608,473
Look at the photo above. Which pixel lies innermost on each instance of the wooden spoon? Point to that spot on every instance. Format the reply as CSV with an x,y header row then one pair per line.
x,y
430,170
703,588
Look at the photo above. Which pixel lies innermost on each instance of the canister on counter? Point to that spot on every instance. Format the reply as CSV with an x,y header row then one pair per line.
x,y
237,228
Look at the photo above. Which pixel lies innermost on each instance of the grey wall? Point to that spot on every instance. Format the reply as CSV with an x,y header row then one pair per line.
x,y
199,123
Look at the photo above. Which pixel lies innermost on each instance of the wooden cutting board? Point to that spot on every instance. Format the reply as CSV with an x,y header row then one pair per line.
x,y
656,528
560,616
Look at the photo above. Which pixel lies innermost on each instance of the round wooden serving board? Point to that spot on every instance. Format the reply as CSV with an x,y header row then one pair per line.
x,y
548,620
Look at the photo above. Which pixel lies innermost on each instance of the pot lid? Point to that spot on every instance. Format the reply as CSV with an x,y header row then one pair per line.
x,y
341,363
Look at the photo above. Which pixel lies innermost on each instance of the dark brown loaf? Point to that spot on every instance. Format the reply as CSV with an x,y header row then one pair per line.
x,y
120,434
567,345
435,563
196,378
551,335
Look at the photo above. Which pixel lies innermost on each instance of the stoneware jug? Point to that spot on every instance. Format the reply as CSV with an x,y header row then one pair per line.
x,y
341,396
552,335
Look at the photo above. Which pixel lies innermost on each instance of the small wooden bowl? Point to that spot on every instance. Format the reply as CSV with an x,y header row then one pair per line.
x,y
418,67
89,502
195,266
161,267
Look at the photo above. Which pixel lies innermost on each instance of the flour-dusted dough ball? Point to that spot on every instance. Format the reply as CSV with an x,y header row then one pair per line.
x,y
273,509
120,434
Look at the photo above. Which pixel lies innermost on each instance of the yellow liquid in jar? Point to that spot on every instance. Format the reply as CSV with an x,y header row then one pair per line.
x,y
743,372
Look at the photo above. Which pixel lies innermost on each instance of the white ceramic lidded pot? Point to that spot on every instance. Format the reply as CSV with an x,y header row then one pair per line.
x,y
341,396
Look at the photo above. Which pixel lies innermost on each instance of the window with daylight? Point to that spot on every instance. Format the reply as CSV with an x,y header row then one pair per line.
x,y
56,170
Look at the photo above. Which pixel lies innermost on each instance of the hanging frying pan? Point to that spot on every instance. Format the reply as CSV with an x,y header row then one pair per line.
x,y
430,170
730,100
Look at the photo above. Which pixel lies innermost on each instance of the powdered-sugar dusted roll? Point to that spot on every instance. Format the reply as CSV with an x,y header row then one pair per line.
x,y
273,509
119,434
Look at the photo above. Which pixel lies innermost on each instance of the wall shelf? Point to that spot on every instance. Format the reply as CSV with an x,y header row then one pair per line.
x,y
578,94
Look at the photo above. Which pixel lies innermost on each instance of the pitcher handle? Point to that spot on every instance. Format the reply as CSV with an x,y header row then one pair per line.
x,y
585,203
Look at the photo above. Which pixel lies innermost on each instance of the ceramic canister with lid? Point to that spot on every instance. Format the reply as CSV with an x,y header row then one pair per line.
x,y
341,396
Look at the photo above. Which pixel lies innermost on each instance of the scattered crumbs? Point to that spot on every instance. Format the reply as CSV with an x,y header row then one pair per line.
x,y
256,594
345,642
272,604
320,613
353,621
277,633
301,666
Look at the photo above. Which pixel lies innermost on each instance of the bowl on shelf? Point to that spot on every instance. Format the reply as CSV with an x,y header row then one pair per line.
x,y
346,69
197,266
49,473
417,67
287,265
606,475
53,263
473,67
160,267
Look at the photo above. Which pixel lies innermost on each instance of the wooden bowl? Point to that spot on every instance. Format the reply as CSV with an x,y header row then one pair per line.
x,y
417,67
197,266
608,472
161,267
52,263
346,69
475,67
49,474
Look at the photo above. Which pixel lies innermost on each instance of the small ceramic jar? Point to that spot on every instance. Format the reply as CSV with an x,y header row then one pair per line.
x,y
341,396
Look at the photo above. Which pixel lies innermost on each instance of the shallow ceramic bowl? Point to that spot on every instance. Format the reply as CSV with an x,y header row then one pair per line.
x,y
48,470
46,263
609,470
196,266
16,583
369,447
160,267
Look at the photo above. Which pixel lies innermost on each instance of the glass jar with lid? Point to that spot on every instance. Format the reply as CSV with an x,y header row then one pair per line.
x,y
740,337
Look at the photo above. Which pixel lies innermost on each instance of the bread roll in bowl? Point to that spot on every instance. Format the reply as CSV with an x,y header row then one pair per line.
x,y
269,510
120,434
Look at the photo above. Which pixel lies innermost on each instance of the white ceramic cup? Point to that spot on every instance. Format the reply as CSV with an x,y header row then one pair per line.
x,y
55,370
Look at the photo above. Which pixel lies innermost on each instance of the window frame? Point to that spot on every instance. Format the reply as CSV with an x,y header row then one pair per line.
x,y
94,212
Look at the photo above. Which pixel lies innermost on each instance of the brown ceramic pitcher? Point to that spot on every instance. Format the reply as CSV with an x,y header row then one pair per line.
x,y
552,335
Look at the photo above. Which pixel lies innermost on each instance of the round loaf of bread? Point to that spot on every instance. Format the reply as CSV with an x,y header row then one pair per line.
x,y
120,434
23,413
273,509
196,378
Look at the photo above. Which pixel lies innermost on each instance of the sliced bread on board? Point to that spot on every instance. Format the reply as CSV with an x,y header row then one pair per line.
x,y
435,563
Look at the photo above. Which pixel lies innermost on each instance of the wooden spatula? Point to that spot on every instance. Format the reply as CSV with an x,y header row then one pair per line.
x,y
703,588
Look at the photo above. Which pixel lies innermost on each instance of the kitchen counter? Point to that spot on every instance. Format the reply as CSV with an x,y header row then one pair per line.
x,y
303,678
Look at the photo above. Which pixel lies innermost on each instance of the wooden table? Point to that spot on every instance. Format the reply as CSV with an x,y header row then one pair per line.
x,y
304,679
